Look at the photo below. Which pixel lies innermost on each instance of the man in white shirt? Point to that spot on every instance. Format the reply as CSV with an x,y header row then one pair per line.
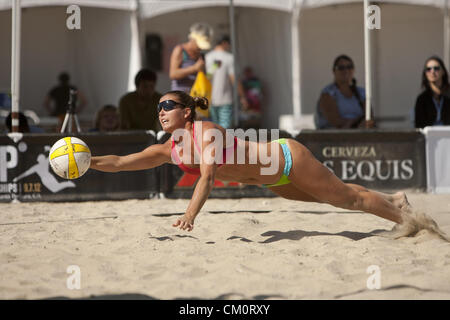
x,y
220,70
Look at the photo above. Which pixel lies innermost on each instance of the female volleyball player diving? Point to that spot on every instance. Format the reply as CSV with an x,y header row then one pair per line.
x,y
294,173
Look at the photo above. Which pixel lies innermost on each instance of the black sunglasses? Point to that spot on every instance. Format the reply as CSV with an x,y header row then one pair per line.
x,y
168,105
435,68
344,67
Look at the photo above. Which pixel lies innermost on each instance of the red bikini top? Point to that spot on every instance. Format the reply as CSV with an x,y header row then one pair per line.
x,y
196,171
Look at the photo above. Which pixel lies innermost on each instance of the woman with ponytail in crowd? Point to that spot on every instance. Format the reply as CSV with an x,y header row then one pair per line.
x,y
342,103
206,149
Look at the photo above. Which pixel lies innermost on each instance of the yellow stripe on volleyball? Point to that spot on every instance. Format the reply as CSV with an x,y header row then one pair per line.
x,y
69,150
80,148
61,151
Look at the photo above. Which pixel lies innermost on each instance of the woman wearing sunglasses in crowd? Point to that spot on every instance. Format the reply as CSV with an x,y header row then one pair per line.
x,y
433,104
295,174
342,103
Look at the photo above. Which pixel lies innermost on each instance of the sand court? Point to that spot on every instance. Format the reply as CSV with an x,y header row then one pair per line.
x,y
263,248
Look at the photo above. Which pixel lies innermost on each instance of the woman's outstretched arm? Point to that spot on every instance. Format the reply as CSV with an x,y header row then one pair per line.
x,y
151,157
205,184
201,192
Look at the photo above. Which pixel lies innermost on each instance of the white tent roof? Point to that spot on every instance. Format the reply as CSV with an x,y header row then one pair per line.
x,y
151,8
111,4
321,3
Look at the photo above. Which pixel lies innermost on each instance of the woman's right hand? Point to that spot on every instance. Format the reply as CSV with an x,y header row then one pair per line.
x,y
184,223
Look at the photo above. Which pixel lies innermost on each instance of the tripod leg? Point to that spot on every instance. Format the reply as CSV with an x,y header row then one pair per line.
x,y
77,123
64,125
70,122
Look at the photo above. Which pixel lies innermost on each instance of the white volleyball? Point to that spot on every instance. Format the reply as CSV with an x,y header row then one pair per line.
x,y
70,157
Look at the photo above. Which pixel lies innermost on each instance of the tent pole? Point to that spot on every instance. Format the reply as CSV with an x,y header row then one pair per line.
x,y
367,62
446,35
136,50
296,63
15,65
235,64
140,34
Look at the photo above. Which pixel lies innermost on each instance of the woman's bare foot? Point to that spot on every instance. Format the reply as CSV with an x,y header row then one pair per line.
x,y
400,200
397,199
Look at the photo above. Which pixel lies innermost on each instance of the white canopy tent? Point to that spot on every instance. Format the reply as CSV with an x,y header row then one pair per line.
x,y
85,63
149,9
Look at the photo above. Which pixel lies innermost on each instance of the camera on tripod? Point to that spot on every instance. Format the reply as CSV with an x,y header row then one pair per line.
x,y
70,113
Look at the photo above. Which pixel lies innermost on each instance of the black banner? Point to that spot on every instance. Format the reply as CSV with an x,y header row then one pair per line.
x,y
384,160
25,173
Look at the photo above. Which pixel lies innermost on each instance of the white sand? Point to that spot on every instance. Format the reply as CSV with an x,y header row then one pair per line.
x,y
296,251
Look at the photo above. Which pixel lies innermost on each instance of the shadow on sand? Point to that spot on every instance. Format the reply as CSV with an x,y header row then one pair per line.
x,y
394,287
138,296
300,234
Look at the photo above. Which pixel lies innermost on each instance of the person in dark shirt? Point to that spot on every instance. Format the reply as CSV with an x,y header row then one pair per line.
x,y
57,99
138,108
433,104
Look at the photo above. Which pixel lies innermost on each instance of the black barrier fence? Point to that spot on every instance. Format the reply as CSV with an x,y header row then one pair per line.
x,y
25,173
383,160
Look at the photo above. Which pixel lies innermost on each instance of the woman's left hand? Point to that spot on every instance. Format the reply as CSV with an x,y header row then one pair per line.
x,y
184,223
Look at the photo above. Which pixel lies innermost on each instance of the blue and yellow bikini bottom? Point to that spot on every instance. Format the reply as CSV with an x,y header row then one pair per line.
x,y
287,165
